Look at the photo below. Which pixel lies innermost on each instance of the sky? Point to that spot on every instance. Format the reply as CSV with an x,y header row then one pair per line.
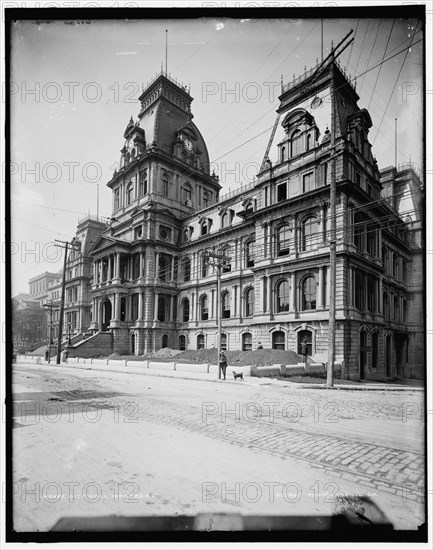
x,y
75,86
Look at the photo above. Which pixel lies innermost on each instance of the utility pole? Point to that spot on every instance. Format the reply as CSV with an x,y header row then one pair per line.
x,y
65,245
220,261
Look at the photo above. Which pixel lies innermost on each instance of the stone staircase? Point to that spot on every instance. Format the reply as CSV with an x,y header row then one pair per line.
x,y
94,345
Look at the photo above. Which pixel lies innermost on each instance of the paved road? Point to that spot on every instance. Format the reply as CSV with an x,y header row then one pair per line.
x,y
357,441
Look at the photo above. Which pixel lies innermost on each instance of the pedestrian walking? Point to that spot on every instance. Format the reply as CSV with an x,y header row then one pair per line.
x,y
65,356
46,355
223,364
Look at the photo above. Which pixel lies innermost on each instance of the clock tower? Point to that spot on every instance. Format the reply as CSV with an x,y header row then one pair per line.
x,y
163,178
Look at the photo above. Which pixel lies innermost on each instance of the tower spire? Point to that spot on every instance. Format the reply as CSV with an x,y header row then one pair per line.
x,y
166,52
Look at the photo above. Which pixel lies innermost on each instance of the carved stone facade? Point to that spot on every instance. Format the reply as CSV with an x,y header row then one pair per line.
x,y
153,286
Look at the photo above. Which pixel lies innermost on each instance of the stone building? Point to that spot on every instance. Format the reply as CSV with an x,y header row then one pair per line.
x,y
154,286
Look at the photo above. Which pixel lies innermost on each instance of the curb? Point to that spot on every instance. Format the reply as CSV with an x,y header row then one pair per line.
x,y
88,364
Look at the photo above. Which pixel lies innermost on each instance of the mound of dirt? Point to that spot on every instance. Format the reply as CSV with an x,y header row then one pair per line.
x,y
260,357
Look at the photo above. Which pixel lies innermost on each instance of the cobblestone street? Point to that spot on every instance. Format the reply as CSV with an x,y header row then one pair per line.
x,y
368,442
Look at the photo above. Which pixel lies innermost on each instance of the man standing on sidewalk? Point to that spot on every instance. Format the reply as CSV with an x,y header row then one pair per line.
x,y
223,363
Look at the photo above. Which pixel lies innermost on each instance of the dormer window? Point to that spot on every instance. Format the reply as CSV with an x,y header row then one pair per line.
x,y
296,143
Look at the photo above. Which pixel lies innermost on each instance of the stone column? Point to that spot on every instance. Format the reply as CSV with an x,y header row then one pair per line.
x,y
328,289
141,274
319,303
171,308
117,306
233,300
109,270
116,265
350,289
155,306
140,306
269,295
293,304
156,264
172,268
240,304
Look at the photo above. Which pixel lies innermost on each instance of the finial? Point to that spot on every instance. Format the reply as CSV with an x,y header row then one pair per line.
x,y
305,69
294,76
317,61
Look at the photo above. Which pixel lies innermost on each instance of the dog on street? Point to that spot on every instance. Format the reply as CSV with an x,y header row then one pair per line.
x,y
237,375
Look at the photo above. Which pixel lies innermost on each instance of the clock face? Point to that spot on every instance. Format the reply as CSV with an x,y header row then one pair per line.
x,y
188,144
316,102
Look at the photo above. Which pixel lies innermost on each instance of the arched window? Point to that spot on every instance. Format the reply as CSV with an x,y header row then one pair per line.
x,y
385,306
278,340
374,349
162,309
404,318
116,199
164,341
205,227
225,220
200,341
205,199
227,264
142,183
185,235
395,265
247,341
163,268
225,305
204,265
296,143
371,295
396,308
204,308
185,310
307,336
224,342
358,231
309,293
186,269
283,296
165,184
359,291
187,194
308,142
384,258
249,253
249,302
283,241
309,233
129,194
182,342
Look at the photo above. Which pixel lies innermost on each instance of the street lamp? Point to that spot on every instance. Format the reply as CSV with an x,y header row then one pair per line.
x,y
50,307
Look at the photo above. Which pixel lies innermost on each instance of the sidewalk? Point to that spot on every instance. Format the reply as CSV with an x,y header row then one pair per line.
x,y
196,372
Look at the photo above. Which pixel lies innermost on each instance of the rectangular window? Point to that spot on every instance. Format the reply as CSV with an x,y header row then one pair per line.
x,y
321,173
282,192
308,182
